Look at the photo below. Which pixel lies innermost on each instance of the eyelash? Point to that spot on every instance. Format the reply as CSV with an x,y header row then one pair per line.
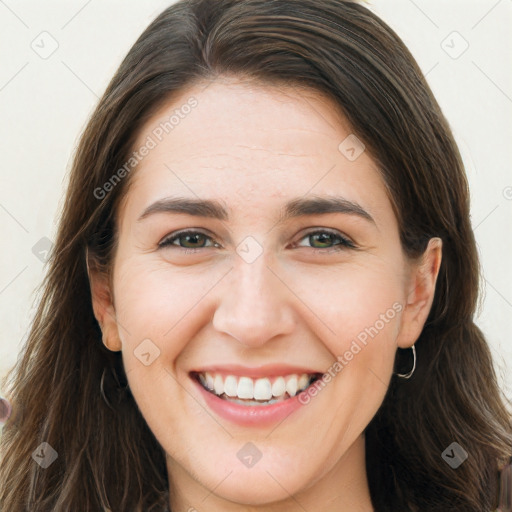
x,y
345,243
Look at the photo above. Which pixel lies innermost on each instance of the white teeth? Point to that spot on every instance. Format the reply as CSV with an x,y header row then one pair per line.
x,y
218,384
263,389
279,387
291,385
245,388
230,386
209,381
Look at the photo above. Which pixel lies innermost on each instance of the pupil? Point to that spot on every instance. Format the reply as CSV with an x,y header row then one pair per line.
x,y
192,239
323,238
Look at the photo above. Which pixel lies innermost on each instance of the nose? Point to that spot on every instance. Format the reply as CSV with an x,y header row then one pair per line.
x,y
255,304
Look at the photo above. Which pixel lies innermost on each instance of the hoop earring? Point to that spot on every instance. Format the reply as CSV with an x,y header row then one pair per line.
x,y
102,390
115,387
409,374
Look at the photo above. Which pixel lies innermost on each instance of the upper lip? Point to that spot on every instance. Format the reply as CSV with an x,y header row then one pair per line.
x,y
268,370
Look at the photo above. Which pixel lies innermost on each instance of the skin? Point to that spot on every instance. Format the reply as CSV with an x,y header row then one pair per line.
x,y
254,147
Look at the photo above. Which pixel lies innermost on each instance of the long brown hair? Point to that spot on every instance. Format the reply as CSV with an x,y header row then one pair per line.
x,y
107,456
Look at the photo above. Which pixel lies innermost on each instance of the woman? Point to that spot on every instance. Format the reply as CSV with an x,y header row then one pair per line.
x,y
262,291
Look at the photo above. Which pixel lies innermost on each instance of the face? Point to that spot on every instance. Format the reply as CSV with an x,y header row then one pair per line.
x,y
258,250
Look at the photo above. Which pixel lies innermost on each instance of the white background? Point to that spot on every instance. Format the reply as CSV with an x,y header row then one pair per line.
x,y
45,102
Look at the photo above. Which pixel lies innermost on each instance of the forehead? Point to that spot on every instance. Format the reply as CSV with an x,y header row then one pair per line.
x,y
252,146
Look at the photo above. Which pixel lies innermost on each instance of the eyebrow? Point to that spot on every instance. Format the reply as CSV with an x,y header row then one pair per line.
x,y
298,207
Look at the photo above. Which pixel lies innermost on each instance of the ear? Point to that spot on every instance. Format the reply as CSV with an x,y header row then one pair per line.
x,y
420,293
102,305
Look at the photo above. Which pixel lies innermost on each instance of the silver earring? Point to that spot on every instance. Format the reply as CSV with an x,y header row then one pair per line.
x,y
102,390
112,390
408,375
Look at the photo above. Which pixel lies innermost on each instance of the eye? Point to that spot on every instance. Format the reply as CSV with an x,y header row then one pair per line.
x,y
188,240
325,239
320,239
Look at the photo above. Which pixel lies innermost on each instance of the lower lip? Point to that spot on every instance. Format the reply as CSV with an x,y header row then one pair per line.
x,y
250,415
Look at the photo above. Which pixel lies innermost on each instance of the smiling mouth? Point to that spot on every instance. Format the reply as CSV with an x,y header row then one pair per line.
x,y
248,391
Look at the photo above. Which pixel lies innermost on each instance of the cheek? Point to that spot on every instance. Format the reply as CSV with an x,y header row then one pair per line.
x,y
364,311
162,304
361,306
158,313
355,303
149,297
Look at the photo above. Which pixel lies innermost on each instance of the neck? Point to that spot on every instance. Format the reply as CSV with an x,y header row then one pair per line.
x,y
343,488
